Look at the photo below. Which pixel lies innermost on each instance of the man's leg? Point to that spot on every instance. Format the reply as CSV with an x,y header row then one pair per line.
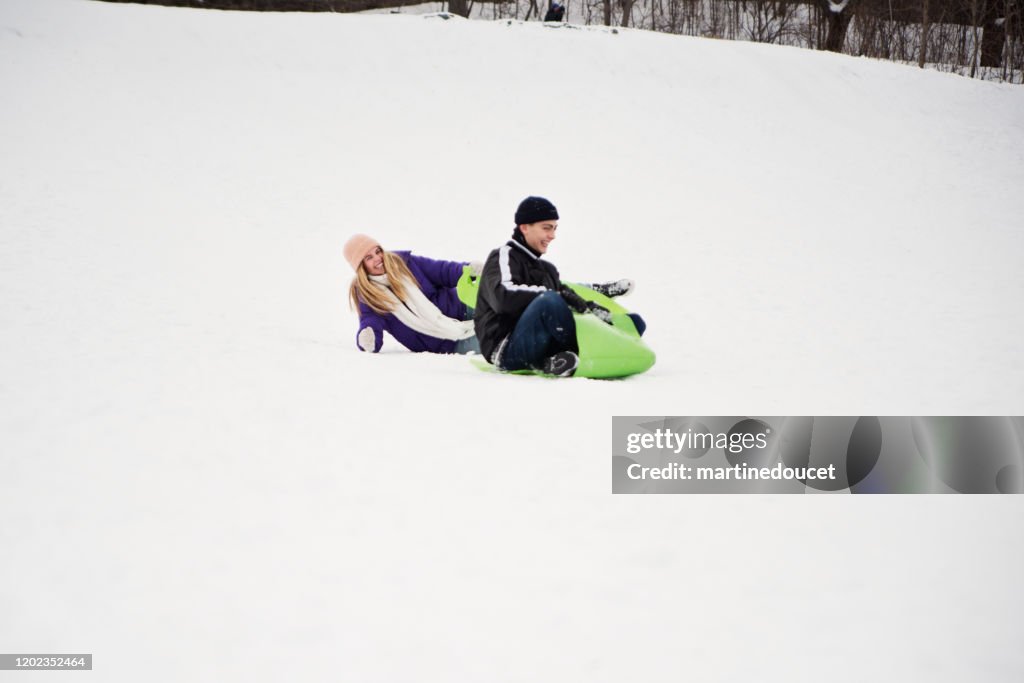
x,y
638,323
545,328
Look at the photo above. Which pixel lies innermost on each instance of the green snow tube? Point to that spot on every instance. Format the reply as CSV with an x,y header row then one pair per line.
x,y
606,351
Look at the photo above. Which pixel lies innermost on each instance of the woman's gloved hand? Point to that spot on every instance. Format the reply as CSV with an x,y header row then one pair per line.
x,y
366,339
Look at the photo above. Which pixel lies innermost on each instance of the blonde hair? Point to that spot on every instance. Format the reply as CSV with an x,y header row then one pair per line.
x,y
379,299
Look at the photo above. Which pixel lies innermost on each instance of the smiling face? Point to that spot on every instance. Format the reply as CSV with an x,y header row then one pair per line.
x,y
373,261
539,235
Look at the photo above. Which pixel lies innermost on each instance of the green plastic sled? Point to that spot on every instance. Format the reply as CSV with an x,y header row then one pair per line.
x,y
606,351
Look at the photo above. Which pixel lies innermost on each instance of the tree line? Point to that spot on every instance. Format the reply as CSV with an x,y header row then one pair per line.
x,y
977,38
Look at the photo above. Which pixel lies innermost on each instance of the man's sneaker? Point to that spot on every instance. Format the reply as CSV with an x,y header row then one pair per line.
x,y
562,364
614,289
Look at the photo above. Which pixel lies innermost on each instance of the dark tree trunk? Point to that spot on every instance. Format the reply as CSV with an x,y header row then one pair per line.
x,y
992,44
627,11
925,25
460,7
837,23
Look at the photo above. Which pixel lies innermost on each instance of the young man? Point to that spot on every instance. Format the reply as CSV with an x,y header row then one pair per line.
x,y
524,313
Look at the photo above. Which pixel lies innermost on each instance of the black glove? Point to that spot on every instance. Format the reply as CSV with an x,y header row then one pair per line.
x,y
580,305
600,311
577,303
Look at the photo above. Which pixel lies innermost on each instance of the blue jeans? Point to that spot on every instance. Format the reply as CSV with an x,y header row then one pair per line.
x,y
545,328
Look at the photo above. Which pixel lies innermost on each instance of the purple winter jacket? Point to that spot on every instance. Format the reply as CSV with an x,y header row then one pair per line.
x,y
437,279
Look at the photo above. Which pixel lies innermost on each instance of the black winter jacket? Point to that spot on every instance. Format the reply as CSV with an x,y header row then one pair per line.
x,y
513,276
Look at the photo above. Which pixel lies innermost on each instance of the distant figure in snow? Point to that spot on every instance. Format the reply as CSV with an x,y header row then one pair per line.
x,y
523,311
555,12
411,297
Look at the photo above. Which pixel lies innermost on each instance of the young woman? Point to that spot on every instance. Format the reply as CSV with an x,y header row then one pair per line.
x,y
411,297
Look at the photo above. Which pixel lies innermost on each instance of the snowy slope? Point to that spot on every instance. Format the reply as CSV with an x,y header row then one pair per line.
x,y
203,480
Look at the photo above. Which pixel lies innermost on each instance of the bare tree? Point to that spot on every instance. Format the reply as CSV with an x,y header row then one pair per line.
x,y
922,51
837,18
627,10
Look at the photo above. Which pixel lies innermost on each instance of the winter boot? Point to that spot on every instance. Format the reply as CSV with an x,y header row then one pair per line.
x,y
562,364
614,289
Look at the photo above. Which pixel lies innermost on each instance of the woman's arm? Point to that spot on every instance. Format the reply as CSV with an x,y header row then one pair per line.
x,y
370,336
441,273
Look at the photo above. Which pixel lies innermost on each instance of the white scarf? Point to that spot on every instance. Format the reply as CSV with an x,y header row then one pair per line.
x,y
420,313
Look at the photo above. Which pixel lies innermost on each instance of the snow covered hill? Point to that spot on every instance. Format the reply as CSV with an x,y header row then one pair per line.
x,y
202,479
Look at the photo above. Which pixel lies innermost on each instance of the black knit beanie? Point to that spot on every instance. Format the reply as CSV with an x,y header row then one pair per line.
x,y
534,210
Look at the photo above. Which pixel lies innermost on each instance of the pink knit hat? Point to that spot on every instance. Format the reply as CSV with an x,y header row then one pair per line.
x,y
356,248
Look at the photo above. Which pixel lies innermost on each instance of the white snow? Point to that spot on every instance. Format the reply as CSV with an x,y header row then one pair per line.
x,y
201,478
